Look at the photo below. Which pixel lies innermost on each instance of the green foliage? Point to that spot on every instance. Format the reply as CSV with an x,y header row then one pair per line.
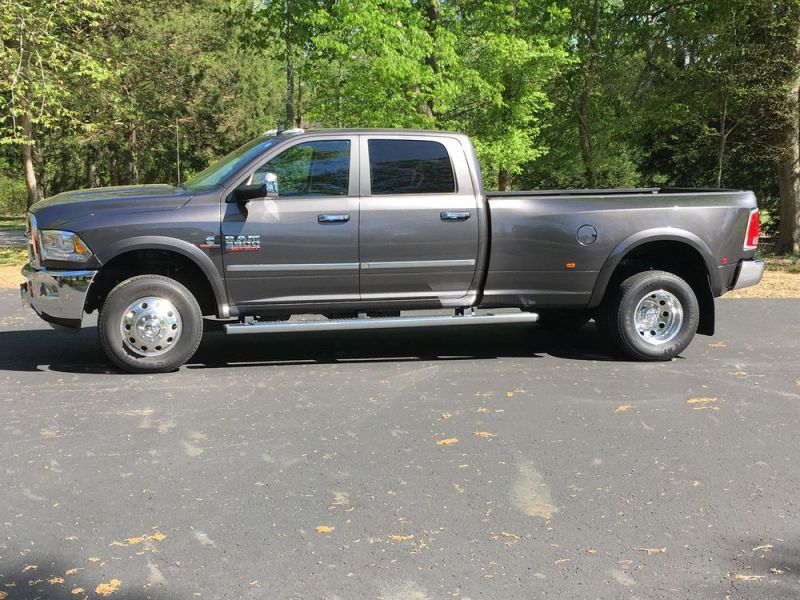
x,y
555,93
13,196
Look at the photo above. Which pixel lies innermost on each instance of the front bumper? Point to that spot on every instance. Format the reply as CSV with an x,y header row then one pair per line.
x,y
58,297
750,273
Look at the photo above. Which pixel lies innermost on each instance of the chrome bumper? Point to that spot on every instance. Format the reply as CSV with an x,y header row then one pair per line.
x,y
58,297
750,272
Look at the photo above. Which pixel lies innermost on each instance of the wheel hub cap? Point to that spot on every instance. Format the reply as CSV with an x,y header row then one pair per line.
x,y
150,326
658,317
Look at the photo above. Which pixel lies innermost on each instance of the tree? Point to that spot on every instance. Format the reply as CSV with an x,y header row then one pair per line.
x,y
44,60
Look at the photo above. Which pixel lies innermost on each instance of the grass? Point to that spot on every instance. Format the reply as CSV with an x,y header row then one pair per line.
x,y
13,256
8,222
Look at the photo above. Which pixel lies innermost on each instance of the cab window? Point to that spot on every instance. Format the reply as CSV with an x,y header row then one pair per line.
x,y
320,168
410,167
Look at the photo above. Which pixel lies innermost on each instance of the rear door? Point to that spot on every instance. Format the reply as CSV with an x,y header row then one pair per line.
x,y
303,245
418,232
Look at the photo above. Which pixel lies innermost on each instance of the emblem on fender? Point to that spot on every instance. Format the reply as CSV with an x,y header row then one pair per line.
x,y
242,243
210,242
233,243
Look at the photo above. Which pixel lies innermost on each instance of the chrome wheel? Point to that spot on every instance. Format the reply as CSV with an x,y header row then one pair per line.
x,y
150,326
658,317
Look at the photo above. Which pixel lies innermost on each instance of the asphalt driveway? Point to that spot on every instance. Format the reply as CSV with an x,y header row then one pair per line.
x,y
499,462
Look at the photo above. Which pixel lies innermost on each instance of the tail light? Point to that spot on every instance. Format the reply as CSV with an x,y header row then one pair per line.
x,y
751,239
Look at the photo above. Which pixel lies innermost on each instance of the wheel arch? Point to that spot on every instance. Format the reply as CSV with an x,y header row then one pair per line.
x,y
161,256
676,251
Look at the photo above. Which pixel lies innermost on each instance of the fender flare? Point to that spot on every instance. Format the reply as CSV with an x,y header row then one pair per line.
x,y
658,234
193,253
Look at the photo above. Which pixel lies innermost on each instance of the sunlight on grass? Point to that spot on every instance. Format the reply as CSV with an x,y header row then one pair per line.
x,y
12,223
13,256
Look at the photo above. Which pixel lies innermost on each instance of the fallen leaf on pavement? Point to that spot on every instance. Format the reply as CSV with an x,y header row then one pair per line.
x,y
718,345
447,442
743,577
132,541
623,408
401,538
484,434
106,589
506,534
776,571
27,568
78,590
509,394
324,528
652,550
483,409
71,571
93,559
55,580
700,400
764,548
446,415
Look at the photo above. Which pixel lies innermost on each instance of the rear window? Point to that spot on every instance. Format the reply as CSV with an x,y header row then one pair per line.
x,y
410,167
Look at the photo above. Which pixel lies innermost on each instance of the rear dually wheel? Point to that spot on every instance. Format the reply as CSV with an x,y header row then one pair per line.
x,y
653,315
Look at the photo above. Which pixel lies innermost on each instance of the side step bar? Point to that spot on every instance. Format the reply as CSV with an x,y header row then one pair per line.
x,y
378,323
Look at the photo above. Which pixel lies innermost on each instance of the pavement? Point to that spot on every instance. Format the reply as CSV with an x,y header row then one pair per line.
x,y
501,462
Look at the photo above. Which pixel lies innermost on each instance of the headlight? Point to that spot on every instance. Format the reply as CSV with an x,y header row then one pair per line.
x,y
63,245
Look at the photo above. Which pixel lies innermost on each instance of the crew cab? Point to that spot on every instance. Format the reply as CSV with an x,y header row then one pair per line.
x,y
364,229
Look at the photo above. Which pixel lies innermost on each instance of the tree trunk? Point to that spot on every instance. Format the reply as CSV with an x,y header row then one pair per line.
x,y
289,86
113,164
584,104
789,176
34,193
432,11
503,180
287,32
723,139
91,167
133,167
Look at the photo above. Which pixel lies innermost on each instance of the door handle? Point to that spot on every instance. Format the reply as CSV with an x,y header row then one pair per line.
x,y
336,218
454,215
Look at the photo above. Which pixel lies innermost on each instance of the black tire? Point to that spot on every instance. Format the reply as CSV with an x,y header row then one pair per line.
x,y
619,319
563,320
110,323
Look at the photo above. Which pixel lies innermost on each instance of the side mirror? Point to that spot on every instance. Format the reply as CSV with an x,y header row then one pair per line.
x,y
245,193
271,181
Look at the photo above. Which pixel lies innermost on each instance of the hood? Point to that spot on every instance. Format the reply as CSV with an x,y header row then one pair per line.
x,y
62,208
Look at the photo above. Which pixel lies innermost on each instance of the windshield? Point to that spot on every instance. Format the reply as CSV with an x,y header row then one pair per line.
x,y
219,170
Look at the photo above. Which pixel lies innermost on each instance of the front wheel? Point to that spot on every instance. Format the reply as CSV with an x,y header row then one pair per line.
x,y
653,315
150,324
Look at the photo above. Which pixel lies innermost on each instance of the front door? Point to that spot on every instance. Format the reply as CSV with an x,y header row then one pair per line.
x,y
301,246
419,232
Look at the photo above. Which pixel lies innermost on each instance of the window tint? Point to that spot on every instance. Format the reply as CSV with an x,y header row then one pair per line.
x,y
409,167
319,168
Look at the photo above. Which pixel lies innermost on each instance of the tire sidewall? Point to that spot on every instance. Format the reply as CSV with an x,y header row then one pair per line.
x,y
634,292
121,298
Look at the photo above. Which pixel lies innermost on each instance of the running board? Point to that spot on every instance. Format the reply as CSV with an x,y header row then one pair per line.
x,y
378,323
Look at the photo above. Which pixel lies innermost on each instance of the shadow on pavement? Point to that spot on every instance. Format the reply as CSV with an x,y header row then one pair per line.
x,y
44,578
764,564
42,349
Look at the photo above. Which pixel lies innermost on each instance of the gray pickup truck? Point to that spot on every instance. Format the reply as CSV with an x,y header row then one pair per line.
x,y
357,229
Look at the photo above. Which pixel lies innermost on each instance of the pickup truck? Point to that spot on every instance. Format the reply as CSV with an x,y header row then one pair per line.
x,y
358,229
